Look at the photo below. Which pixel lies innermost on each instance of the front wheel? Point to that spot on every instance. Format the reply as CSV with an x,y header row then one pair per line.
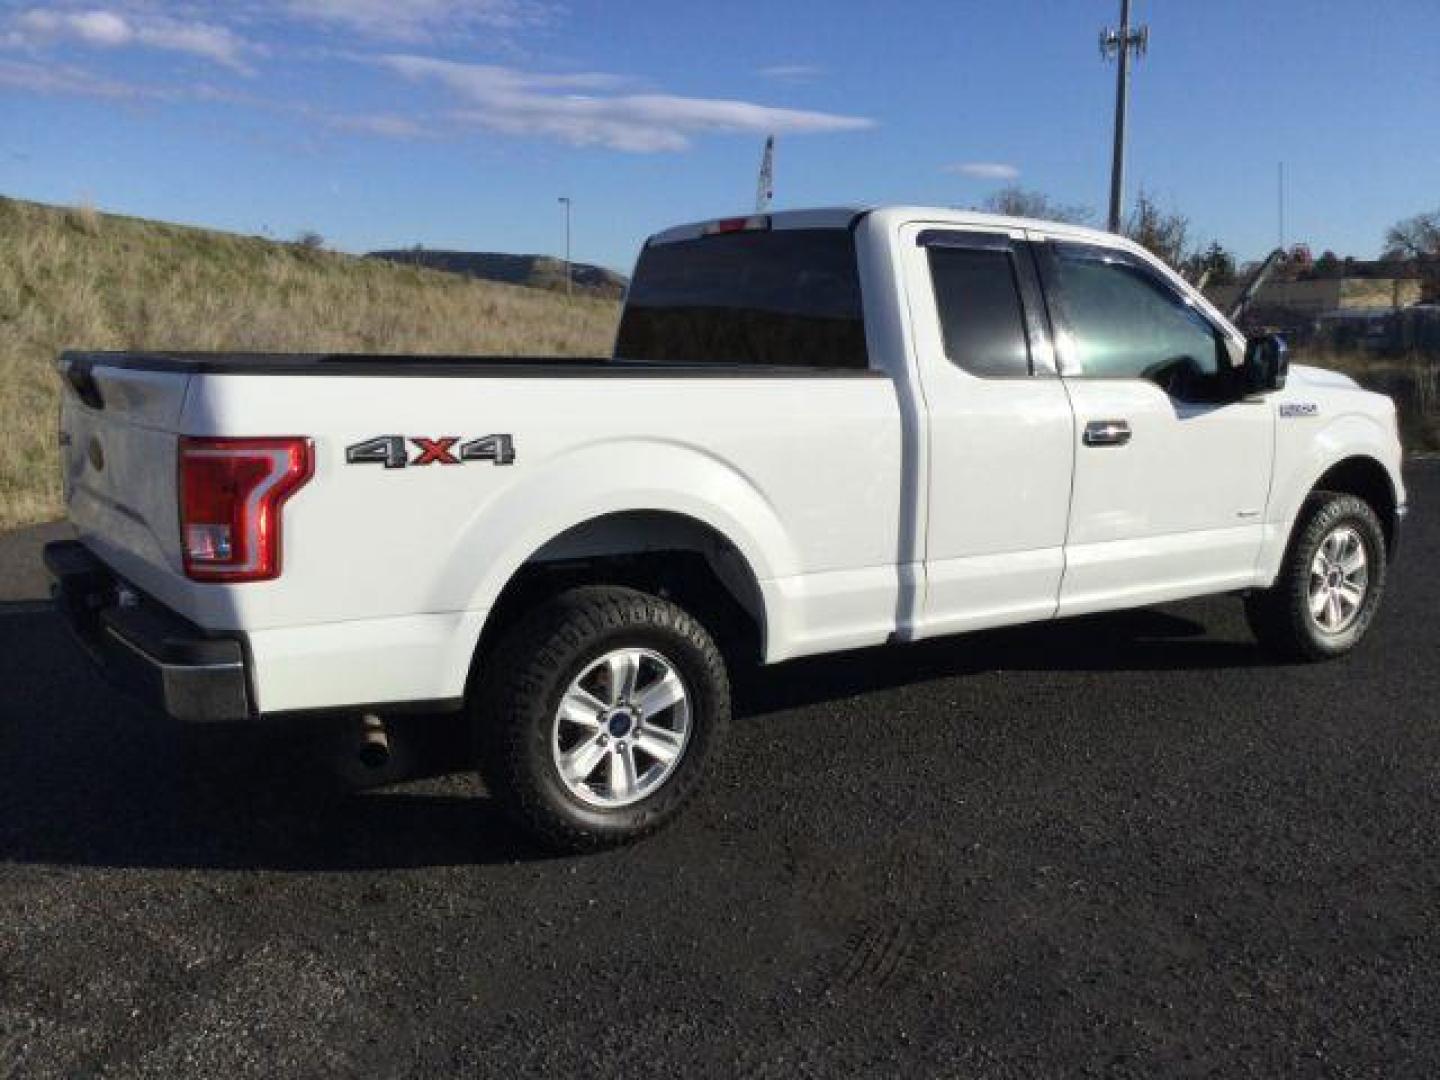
x,y
598,715
1330,584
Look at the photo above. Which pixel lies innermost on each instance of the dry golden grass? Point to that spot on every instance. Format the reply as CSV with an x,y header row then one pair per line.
x,y
77,279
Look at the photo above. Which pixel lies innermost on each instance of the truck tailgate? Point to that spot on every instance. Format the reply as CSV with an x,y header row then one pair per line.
x,y
118,447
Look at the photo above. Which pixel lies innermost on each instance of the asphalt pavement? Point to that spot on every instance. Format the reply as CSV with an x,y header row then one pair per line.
x,y
1125,845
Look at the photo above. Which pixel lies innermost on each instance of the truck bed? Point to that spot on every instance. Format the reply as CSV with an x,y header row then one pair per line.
x,y
77,364
390,571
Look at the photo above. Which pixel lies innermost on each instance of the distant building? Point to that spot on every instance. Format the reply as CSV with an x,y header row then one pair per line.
x,y
1303,301
1381,314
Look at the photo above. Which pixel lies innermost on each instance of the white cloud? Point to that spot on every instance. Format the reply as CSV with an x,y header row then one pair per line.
x,y
66,81
56,80
584,108
791,73
984,170
104,29
107,29
385,125
420,20
575,108
199,39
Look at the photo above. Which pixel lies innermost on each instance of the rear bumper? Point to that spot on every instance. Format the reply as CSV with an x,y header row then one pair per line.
x,y
148,651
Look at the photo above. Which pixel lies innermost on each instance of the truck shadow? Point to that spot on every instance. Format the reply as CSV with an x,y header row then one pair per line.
x,y
87,779
1145,639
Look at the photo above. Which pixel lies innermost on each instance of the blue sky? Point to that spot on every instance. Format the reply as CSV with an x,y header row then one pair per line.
x,y
458,123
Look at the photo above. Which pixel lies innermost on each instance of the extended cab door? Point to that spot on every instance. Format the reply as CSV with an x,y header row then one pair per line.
x,y
1001,438
1172,464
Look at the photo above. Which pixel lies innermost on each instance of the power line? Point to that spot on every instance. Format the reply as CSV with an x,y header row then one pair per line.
x,y
1280,200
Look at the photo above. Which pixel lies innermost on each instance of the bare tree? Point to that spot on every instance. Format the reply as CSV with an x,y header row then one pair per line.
x,y
1164,233
1417,240
1414,238
1015,201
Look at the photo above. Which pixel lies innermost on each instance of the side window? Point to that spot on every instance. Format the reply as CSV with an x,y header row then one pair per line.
x,y
1126,324
981,317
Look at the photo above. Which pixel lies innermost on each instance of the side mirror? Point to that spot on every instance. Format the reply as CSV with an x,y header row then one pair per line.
x,y
1267,362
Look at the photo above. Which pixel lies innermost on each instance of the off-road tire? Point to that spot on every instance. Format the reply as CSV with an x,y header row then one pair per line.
x,y
521,684
1280,616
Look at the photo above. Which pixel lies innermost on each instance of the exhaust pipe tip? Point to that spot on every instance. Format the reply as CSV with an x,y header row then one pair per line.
x,y
374,756
374,751
364,754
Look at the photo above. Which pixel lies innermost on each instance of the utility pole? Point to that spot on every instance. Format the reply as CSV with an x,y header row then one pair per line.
x,y
1280,205
765,189
1121,43
569,277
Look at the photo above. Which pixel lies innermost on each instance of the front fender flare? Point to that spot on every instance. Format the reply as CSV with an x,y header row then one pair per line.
x,y
1351,435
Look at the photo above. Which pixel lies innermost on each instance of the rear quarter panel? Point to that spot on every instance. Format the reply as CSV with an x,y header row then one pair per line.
x,y
802,474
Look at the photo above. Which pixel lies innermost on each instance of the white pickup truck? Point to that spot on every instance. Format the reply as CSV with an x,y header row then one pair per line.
x,y
820,430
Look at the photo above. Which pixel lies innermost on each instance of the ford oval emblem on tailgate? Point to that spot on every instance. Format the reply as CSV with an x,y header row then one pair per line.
x,y
95,454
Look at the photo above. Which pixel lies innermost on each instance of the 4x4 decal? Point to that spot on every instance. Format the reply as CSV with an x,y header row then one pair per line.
x,y
393,451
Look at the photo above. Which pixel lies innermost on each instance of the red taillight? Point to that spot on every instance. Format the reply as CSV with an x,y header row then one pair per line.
x,y
231,492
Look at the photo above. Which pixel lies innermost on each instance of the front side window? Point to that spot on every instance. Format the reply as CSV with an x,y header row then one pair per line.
x,y
981,317
1126,324
781,298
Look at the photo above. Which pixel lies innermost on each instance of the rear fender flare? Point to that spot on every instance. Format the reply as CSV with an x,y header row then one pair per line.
x,y
602,479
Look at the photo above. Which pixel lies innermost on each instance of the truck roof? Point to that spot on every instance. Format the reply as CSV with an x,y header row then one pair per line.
x,y
839,217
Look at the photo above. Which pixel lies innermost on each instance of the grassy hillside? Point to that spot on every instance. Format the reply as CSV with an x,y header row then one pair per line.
x,y
536,271
82,280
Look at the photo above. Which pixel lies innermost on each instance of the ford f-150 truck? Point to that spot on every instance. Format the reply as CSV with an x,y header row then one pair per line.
x,y
819,430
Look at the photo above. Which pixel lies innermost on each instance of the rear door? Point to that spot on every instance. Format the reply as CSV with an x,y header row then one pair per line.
x,y
1001,430
1172,463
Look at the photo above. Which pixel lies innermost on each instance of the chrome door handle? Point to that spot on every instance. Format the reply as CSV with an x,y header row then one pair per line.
x,y
1107,433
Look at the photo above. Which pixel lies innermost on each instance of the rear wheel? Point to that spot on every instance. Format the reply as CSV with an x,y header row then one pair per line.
x,y
598,715
1330,584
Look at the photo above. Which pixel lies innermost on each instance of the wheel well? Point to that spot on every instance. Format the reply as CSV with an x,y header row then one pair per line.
x,y
666,554
1366,479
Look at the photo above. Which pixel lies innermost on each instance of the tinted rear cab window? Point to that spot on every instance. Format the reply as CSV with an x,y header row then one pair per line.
x,y
782,298
981,317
